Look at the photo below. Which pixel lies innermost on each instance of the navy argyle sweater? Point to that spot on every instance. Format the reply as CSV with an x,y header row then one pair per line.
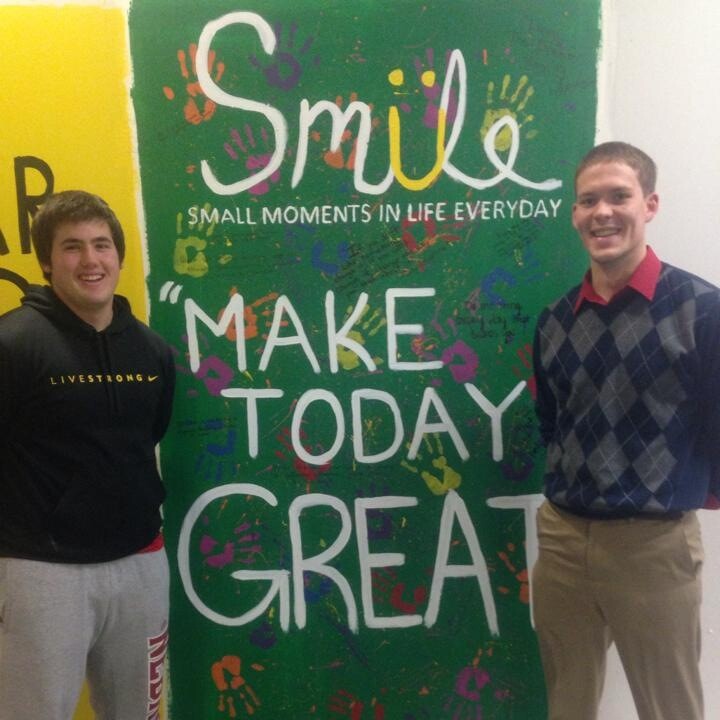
x,y
628,397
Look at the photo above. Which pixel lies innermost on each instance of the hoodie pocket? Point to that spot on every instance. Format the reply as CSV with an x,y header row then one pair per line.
x,y
100,506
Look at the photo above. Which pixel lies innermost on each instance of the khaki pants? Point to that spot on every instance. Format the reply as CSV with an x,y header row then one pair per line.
x,y
634,582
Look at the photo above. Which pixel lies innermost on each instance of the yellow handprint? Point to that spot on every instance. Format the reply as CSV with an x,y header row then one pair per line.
x,y
450,479
511,103
189,258
368,321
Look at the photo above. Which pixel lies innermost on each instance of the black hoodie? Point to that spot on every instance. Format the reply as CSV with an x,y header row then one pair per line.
x,y
80,414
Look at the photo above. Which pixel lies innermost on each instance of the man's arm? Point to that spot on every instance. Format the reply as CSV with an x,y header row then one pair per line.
x,y
164,412
708,369
545,405
8,388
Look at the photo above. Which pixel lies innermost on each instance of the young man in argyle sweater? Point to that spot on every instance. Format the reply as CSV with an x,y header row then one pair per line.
x,y
627,366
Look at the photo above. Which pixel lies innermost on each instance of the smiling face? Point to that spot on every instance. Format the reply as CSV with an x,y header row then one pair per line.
x,y
610,214
84,269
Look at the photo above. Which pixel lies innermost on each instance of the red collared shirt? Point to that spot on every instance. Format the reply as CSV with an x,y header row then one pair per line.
x,y
643,280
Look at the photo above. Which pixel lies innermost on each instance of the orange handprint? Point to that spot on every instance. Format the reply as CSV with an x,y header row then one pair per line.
x,y
192,111
232,664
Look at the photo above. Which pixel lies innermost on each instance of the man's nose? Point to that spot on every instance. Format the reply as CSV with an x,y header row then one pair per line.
x,y
89,255
602,209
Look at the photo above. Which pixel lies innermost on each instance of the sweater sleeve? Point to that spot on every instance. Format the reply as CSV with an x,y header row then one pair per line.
x,y
545,404
708,369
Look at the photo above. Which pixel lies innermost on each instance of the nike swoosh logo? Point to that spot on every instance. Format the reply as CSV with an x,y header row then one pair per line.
x,y
152,378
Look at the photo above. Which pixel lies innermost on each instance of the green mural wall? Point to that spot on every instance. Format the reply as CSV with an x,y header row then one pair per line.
x,y
355,212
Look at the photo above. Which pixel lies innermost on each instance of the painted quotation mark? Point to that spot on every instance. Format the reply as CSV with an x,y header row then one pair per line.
x,y
170,292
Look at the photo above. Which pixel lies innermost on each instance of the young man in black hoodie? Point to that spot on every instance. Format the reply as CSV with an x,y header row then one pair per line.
x,y
85,395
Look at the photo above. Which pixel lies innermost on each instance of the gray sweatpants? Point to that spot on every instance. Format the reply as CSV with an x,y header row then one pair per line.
x,y
61,623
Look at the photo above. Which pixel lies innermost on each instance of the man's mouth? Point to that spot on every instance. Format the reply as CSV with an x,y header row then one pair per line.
x,y
605,232
95,277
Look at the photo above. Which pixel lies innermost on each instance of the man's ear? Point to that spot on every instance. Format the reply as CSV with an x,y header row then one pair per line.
x,y
572,216
652,205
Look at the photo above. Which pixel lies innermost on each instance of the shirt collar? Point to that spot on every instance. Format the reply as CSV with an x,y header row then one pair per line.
x,y
644,281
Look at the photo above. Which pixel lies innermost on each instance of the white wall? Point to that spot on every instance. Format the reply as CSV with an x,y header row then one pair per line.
x,y
661,92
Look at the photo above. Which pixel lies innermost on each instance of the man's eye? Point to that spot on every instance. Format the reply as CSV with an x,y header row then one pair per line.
x,y
586,202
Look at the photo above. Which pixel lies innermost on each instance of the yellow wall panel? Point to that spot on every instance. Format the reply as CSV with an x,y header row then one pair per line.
x,y
65,100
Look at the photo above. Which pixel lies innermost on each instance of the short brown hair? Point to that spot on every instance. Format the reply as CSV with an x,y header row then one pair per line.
x,y
640,162
71,206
